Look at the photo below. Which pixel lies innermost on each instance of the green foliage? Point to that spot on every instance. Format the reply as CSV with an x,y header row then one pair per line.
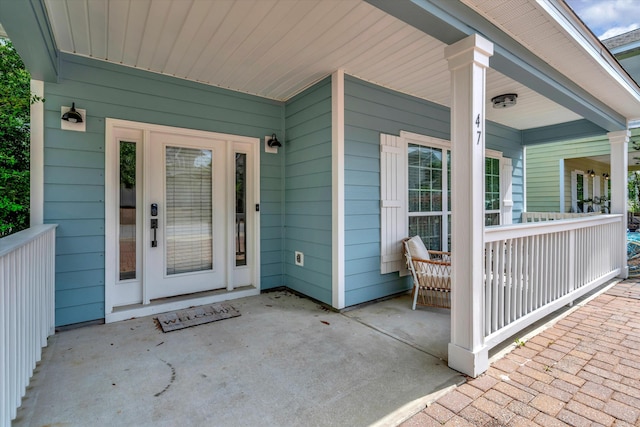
x,y
15,101
128,164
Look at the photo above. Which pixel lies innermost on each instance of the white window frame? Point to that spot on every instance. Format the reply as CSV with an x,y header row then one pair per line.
x,y
394,201
574,188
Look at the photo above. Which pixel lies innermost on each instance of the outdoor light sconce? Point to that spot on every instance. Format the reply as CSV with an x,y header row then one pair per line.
x,y
605,176
72,115
591,173
271,144
73,119
504,101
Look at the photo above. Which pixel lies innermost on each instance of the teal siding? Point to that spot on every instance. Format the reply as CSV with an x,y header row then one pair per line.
x,y
308,191
369,111
74,165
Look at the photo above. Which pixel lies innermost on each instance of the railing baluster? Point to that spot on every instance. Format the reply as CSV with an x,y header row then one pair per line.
x,y
542,264
27,310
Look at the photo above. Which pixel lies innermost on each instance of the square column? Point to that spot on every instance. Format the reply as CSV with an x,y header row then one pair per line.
x,y
468,60
619,142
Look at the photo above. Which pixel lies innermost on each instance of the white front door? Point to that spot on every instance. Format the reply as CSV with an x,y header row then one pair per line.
x,y
180,213
187,215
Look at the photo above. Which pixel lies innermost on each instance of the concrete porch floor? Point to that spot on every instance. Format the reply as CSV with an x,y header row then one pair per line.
x,y
285,361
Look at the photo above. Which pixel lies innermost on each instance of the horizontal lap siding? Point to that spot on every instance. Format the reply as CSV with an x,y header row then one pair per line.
x,y
74,165
369,111
543,170
308,210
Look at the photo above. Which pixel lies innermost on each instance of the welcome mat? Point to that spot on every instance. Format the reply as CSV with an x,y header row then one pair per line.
x,y
181,319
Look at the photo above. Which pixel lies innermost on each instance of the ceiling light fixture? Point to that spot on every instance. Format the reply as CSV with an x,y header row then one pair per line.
x,y
504,101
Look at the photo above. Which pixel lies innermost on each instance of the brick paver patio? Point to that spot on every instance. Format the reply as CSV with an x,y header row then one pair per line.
x,y
583,371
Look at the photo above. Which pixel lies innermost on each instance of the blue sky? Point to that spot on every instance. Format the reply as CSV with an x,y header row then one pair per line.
x,y
608,18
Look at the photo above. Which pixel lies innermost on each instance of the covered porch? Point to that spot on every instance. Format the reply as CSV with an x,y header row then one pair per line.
x,y
374,365
344,93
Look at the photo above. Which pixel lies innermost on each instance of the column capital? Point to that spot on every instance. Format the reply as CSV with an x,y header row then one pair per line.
x,y
619,136
473,49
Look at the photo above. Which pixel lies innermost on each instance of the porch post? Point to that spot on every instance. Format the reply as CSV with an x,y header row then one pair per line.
x,y
468,60
619,142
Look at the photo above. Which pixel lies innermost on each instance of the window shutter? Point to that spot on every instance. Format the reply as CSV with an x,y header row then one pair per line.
x,y
574,191
596,186
393,202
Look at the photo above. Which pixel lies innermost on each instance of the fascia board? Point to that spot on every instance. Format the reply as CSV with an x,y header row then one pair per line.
x,y
27,26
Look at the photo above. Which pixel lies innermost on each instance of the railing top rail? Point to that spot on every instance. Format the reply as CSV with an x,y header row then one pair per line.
x,y
14,241
504,232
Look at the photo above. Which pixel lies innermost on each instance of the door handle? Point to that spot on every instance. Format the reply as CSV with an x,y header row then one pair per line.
x,y
154,227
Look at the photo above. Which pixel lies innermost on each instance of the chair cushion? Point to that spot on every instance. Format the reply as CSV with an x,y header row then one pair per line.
x,y
417,249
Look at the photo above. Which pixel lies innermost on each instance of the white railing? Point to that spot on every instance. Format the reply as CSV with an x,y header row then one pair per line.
x,y
533,269
551,216
27,314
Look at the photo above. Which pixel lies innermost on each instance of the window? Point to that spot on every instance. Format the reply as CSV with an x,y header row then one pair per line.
x,y
492,191
425,197
426,186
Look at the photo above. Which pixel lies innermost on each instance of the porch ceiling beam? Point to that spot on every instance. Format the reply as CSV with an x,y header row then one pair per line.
x,y
562,131
27,25
451,21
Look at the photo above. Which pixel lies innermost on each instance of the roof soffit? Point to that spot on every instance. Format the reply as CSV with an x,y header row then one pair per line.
x,y
280,48
550,30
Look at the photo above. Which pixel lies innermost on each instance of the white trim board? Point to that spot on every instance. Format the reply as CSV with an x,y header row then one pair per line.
x,y
36,164
337,184
141,132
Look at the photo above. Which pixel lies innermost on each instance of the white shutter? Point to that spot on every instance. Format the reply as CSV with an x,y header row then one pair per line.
x,y
393,202
596,191
574,191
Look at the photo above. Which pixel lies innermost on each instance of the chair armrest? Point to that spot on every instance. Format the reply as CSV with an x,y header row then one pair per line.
x,y
431,261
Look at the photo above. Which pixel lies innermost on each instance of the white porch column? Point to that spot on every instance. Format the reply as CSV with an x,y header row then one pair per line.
x,y
468,60
619,142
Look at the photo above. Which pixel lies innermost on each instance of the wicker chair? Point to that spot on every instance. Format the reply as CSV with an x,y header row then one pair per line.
x,y
431,271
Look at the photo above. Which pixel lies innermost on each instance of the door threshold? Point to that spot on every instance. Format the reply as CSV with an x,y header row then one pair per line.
x,y
180,302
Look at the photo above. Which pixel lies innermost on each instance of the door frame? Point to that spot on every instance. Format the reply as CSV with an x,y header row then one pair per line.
x,y
146,307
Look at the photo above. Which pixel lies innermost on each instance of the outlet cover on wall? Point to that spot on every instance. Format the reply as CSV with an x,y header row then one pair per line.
x,y
299,258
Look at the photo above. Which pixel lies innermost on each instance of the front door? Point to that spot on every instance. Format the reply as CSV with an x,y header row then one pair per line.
x,y
178,219
186,216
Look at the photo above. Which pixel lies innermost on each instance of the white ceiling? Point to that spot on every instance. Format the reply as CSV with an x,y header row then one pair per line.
x,y
528,23
276,48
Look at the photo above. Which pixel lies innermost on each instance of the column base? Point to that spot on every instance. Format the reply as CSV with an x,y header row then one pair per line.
x,y
624,272
467,362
